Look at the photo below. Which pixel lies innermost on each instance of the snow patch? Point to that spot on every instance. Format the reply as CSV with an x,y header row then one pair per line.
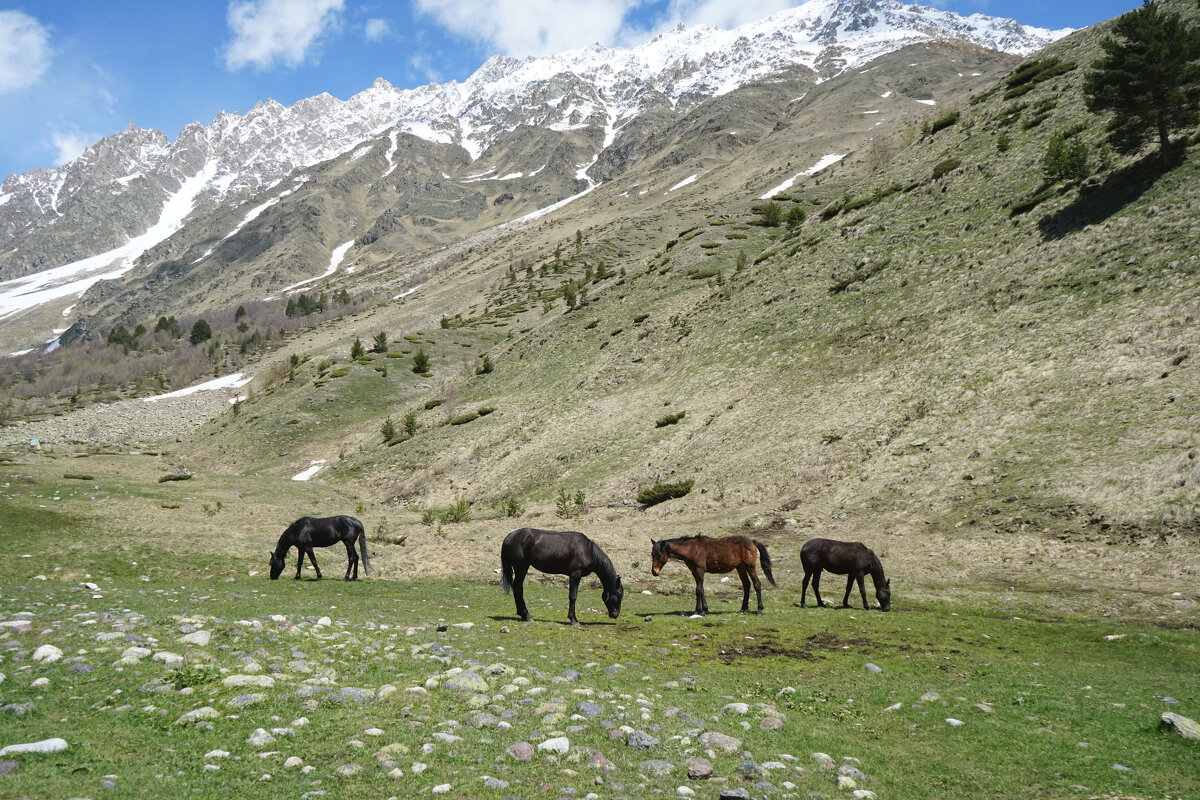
x,y
335,261
682,183
316,467
825,161
928,102
234,381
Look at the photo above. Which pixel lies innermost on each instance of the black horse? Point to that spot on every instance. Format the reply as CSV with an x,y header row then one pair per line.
x,y
560,553
853,559
309,532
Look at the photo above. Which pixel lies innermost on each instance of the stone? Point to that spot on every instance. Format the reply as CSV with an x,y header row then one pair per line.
x,y
207,712
685,791
719,741
494,783
1179,724
559,744
243,700
589,709
640,740
441,788
8,766
954,723
468,681
521,751
47,654
199,638
293,761
699,769
55,745
260,738
771,724
736,708
242,681
824,760
656,767
869,667
735,794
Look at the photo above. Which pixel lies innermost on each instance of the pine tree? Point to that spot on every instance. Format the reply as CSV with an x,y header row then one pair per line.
x,y
357,350
380,343
1149,78
201,332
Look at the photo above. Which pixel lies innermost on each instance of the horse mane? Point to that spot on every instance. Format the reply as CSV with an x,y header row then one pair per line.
x,y
604,568
876,569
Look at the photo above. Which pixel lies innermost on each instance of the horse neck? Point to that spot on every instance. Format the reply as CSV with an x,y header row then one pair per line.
x,y
286,540
876,570
686,553
603,567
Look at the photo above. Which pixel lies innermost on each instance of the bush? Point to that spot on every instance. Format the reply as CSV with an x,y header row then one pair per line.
x,y
510,507
387,430
201,332
661,492
410,423
942,167
942,122
770,214
669,419
420,361
463,419
1065,161
567,505
485,366
459,512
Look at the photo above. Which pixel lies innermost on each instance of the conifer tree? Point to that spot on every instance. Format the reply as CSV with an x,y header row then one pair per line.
x,y
1149,77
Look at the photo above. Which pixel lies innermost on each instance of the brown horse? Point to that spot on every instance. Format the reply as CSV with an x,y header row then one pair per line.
x,y
702,554
853,559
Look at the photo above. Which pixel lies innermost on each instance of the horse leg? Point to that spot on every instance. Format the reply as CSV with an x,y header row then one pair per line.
x,y
518,588
757,587
299,561
574,592
863,591
816,584
849,586
701,602
313,559
804,588
746,589
351,560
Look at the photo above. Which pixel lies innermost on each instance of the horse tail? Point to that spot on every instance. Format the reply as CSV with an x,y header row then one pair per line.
x,y
506,572
362,546
765,558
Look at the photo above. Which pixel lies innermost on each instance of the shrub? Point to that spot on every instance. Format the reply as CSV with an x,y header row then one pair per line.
x,y
669,419
485,366
661,492
1065,161
420,361
483,412
460,511
510,507
702,273
388,430
769,214
201,332
1003,143
567,505
431,404
410,423
357,350
463,419
942,167
942,122
380,343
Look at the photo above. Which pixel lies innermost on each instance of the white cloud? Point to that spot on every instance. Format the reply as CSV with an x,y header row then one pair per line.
x,y
69,145
532,27
723,13
377,30
267,32
24,50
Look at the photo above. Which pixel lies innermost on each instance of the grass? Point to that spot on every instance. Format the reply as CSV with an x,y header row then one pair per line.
x,y
1051,685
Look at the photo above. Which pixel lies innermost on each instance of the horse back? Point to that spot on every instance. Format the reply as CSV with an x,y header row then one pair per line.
x,y
554,552
837,557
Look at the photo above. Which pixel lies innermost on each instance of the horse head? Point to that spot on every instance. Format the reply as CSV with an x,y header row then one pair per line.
x,y
612,598
883,594
659,555
276,566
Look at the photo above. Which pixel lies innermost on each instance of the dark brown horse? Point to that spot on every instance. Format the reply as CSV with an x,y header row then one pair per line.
x,y
567,553
702,554
853,559
309,532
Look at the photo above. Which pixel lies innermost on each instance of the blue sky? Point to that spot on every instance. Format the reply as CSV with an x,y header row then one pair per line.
x,y
73,71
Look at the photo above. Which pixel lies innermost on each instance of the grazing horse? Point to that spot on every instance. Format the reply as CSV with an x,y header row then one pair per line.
x,y
853,559
560,553
702,555
309,532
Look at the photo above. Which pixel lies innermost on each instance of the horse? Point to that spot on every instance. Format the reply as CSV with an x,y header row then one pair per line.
x,y
560,553
853,559
309,532
702,554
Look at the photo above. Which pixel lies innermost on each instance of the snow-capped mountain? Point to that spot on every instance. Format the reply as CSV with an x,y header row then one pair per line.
x,y
116,190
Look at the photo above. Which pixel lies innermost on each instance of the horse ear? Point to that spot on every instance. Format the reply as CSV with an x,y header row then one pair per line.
x,y
888,583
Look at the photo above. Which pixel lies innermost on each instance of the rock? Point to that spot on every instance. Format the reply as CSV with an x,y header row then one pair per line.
x,y
869,667
8,766
589,709
418,767
864,794
929,697
47,654
736,708
699,769
243,700
18,709
80,668
640,740
719,741
954,723
441,788
260,738
1176,723
685,791
198,638
468,681
494,783
771,724
735,794
293,761
602,764
521,751
824,761
559,744
54,745
207,712
656,767
241,681
894,707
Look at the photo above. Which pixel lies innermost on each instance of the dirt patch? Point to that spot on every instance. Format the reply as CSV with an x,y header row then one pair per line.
x,y
767,648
